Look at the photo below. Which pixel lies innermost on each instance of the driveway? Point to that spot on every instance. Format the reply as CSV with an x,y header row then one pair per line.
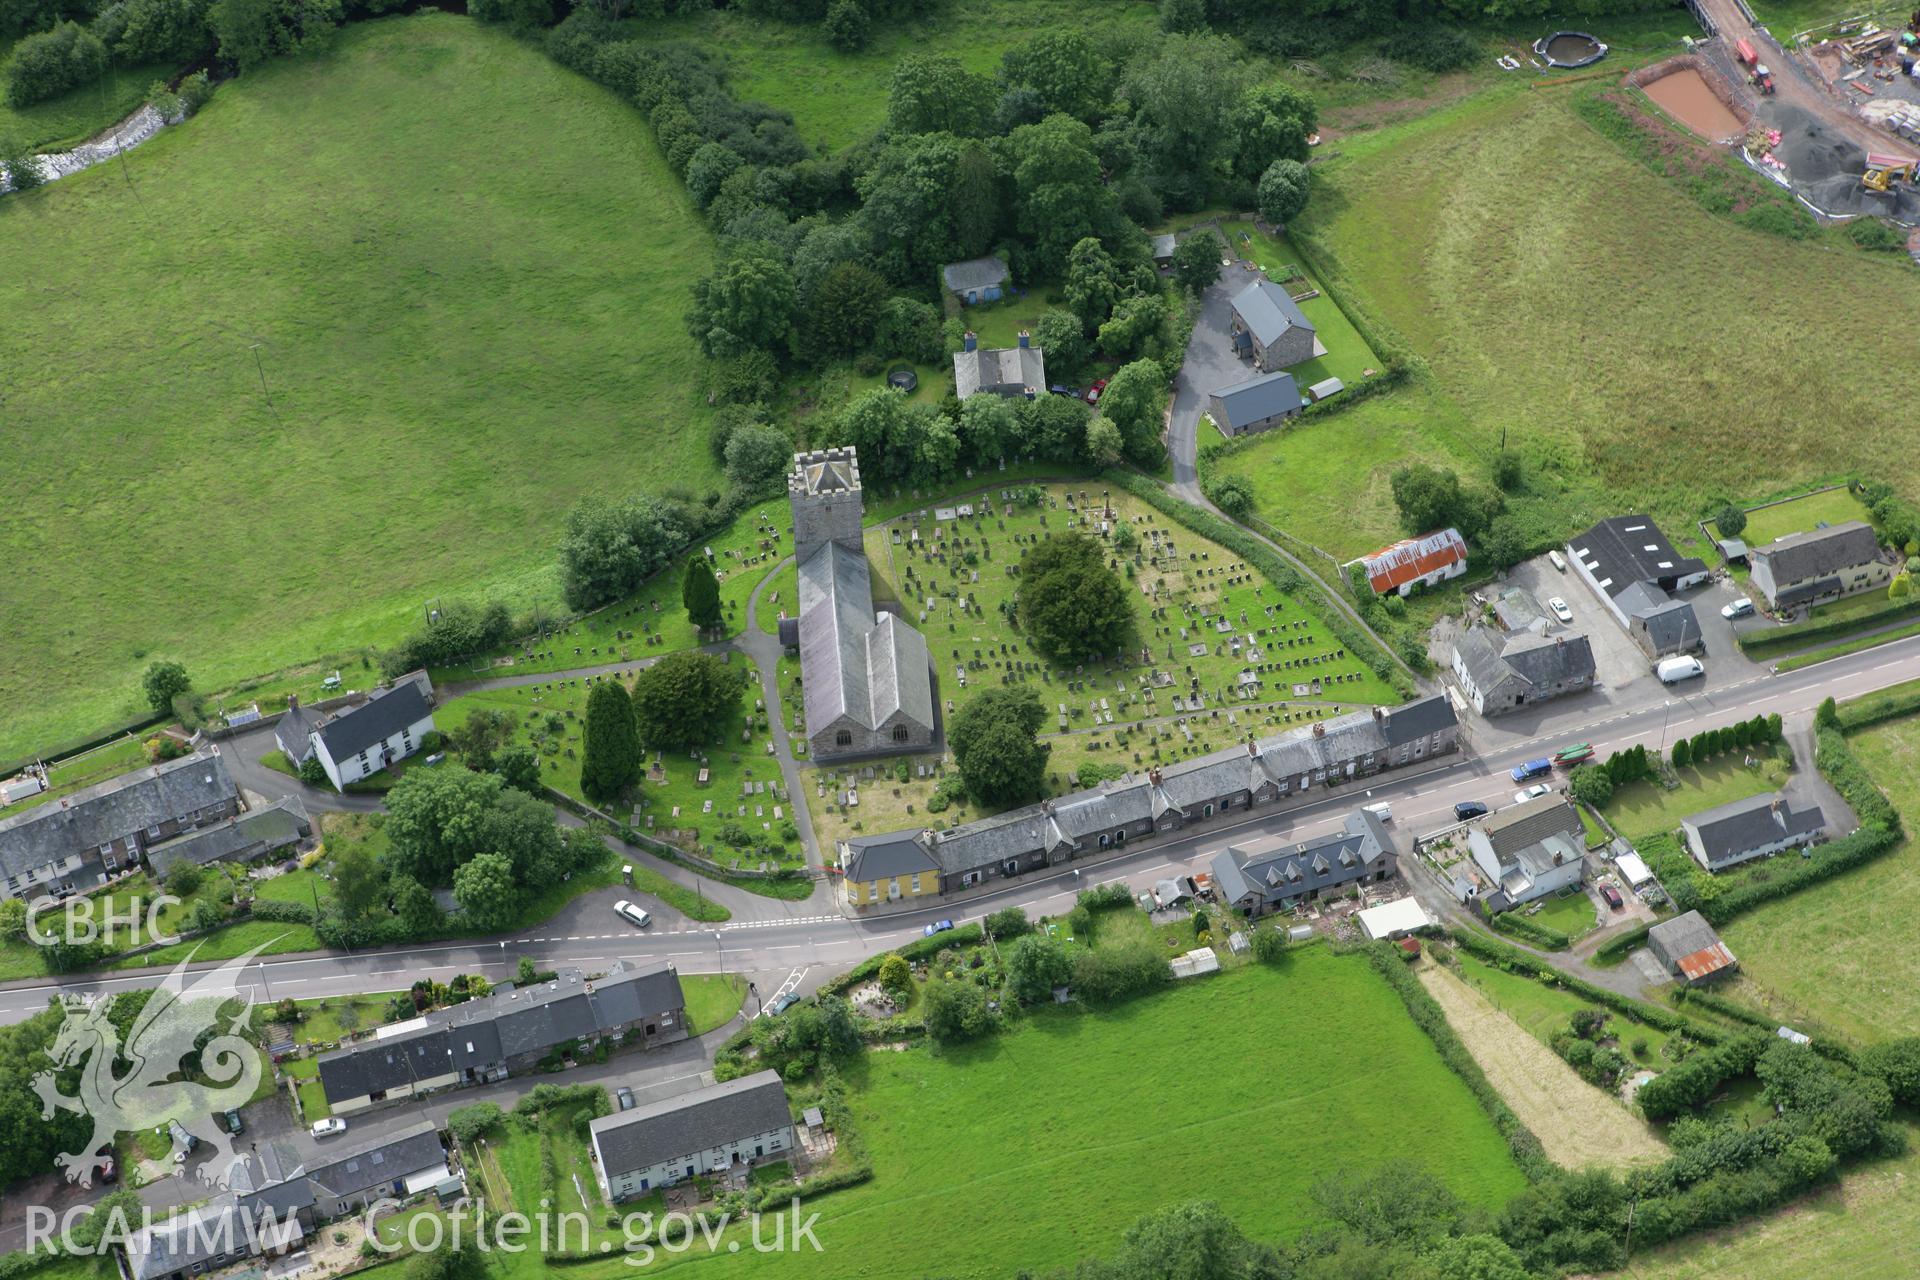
x,y
1210,365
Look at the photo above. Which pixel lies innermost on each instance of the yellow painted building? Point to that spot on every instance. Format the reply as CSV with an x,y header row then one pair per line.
x,y
888,868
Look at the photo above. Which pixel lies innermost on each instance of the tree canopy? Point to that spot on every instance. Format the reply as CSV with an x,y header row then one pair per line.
x,y
610,755
1071,605
682,701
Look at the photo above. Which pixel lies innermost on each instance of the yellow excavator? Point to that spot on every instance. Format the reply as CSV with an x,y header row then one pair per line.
x,y
1885,172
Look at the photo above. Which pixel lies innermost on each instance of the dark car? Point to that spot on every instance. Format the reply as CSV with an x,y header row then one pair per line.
x,y
1612,895
1469,809
1532,769
624,1096
783,1003
1062,389
233,1122
938,926
110,1171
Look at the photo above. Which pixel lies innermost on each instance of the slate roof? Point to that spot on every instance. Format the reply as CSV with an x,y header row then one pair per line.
x,y
244,836
974,273
1163,246
1511,830
1819,554
1258,399
407,701
1076,819
994,368
511,1022
1732,829
293,731
198,1235
1622,550
271,1177
884,857
382,1065
375,1164
1672,626
698,1121
1268,312
1273,868
113,810
1531,661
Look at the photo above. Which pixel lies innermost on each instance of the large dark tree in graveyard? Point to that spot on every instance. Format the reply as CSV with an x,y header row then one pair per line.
x,y
1073,607
995,742
610,760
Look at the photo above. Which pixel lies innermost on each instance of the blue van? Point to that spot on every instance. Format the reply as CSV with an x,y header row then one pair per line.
x,y
1532,769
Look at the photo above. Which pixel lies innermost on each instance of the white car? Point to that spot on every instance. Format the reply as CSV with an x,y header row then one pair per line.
x,y
1533,792
1560,609
328,1127
632,915
1738,609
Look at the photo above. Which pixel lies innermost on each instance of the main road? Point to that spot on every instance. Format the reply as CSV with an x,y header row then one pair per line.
x,y
815,946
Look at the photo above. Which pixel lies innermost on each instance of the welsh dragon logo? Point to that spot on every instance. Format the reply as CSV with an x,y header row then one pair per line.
x,y
153,1089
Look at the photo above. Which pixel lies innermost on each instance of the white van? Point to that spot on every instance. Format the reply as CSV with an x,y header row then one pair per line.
x,y
1382,811
1557,560
1674,670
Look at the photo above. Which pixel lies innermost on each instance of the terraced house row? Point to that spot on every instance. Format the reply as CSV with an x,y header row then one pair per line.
x,y
1277,770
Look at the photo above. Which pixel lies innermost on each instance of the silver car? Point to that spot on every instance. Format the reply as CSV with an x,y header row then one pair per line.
x,y
633,915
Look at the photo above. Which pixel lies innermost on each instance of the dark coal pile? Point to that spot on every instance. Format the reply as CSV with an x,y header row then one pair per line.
x,y
1825,167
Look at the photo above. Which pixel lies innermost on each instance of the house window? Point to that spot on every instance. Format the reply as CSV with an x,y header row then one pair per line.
x,y
899,733
844,738
916,882
1207,812
1105,841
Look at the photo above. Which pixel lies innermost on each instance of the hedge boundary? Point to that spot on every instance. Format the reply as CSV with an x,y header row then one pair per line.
x,y
1387,961
1615,949
1498,953
1773,639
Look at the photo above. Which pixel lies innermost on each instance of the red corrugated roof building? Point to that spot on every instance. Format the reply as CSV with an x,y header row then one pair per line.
x,y
1422,561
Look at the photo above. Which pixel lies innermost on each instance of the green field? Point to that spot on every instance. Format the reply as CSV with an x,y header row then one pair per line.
x,y
1837,952
840,98
452,350
1507,242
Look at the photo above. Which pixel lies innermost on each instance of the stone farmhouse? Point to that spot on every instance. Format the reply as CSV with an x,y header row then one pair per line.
x,y
1276,873
79,842
866,677
1501,672
1258,404
1757,827
1269,328
1812,568
506,1032
1269,772
363,740
723,1126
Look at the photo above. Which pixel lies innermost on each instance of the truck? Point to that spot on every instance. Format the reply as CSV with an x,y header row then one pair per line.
x,y
1532,769
1674,670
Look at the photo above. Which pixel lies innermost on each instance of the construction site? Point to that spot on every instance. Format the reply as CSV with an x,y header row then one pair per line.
x,y
1832,114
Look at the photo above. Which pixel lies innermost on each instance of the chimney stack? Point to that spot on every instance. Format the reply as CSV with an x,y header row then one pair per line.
x,y
1320,728
1153,775
1025,340
971,342
293,702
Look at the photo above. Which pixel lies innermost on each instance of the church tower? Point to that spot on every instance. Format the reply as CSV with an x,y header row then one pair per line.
x,y
823,490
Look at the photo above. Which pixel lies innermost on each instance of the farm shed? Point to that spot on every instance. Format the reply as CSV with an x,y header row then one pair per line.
x,y
1393,919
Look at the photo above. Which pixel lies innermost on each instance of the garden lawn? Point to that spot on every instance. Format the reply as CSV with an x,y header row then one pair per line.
x,y
552,716
1507,242
1838,952
712,1000
123,755
450,358
840,98
1802,515
1863,1228
1646,808
1348,357
1572,914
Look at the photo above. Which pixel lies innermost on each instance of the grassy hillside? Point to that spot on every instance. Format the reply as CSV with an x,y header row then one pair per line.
x,y
462,271
1639,350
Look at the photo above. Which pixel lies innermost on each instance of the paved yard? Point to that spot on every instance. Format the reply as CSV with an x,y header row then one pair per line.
x,y
1210,365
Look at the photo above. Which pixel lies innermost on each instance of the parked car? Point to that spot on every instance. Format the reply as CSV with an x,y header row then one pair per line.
x,y
1674,670
631,914
1533,792
233,1122
624,1096
110,1171
1612,895
329,1127
1532,769
1560,609
782,1003
1469,809
1557,560
1381,810
1062,389
938,926
1738,609
1093,392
